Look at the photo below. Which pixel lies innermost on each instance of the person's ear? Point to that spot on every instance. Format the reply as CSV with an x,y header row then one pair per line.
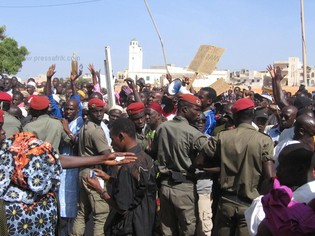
x,y
210,101
299,131
121,136
185,109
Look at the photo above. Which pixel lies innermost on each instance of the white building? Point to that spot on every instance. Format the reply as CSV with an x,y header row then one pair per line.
x,y
156,74
294,70
291,70
248,78
135,56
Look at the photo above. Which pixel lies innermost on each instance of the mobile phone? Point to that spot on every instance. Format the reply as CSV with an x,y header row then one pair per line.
x,y
92,174
119,158
101,181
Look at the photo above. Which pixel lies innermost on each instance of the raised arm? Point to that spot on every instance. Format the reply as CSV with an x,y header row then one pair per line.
x,y
278,94
98,77
133,87
93,73
169,78
73,78
189,83
51,71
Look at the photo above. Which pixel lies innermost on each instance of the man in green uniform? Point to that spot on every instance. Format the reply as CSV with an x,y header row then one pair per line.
x,y
136,114
44,127
175,145
246,157
92,142
11,124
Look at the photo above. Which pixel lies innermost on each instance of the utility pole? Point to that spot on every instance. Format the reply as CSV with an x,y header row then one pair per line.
x,y
303,44
109,77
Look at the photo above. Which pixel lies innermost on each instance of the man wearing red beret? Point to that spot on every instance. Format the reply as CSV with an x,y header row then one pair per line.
x,y
11,124
175,146
44,127
92,142
154,116
246,157
136,113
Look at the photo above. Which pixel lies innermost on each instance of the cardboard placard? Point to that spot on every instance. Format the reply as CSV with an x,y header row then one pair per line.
x,y
206,59
220,86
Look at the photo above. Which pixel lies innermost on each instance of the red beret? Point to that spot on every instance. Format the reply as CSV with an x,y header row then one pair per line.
x,y
242,104
190,98
1,116
39,102
157,107
95,102
135,108
5,97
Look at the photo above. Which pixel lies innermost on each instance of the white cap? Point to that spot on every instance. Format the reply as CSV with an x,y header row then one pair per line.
x,y
31,83
268,97
116,107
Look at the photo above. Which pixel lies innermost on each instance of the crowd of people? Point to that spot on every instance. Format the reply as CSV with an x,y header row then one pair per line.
x,y
157,162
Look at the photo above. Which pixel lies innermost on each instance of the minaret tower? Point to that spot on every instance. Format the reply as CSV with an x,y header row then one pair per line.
x,y
135,56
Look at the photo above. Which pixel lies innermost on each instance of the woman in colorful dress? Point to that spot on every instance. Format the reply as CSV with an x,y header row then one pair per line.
x,y
29,179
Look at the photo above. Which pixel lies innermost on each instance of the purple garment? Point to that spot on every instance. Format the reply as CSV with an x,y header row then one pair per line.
x,y
284,216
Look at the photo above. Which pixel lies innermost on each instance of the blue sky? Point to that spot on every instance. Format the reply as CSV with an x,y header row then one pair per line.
x,y
253,33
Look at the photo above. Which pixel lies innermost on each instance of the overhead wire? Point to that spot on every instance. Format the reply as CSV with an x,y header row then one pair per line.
x,y
50,5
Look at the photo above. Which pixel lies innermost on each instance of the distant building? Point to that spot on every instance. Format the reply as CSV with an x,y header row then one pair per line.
x,y
248,78
293,69
156,74
135,56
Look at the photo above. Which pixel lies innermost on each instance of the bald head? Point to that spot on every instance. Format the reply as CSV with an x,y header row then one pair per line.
x,y
287,115
71,109
305,130
307,123
73,102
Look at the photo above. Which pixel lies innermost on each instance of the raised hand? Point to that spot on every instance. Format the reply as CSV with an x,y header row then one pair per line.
x,y
275,72
51,71
272,71
91,69
131,83
98,73
169,78
74,77
186,80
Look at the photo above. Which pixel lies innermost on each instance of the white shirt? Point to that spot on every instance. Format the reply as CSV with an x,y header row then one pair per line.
x,y
255,214
278,148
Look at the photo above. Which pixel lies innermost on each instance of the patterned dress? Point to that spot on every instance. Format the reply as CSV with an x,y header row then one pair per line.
x,y
29,177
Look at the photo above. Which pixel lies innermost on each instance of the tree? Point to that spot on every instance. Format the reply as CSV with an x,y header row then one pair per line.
x,y
11,55
2,34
